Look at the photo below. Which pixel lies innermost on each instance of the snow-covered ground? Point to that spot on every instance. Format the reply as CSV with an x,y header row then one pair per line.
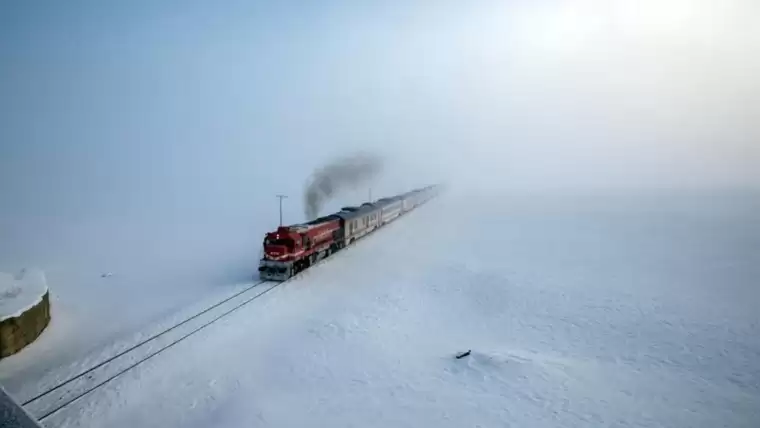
x,y
158,267
578,312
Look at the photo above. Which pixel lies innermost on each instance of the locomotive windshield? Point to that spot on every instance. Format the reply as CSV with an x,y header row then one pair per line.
x,y
283,242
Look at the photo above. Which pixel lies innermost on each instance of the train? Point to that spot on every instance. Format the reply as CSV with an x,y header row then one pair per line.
x,y
293,249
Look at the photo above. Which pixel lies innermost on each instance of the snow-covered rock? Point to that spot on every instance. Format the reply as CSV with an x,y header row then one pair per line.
x,y
24,309
21,292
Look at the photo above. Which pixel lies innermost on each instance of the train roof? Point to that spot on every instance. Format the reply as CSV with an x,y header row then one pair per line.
x,y
353,212
303,227
391,199
348,215
367,207
318,220
350,212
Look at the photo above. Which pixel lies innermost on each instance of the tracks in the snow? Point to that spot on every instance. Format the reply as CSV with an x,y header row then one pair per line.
x,y
67,392
72,389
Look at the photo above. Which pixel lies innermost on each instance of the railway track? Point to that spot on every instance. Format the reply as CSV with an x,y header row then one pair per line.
x,y
69,391
65,393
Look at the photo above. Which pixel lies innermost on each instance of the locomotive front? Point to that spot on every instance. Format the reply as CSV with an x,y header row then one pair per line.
x,y
279,254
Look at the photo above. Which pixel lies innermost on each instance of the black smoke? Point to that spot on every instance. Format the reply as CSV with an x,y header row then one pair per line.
x,y
338,175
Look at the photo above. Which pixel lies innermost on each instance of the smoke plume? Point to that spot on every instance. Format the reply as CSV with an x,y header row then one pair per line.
x,y
336,176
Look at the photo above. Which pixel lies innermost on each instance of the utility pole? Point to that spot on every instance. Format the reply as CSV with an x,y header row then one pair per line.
x,y
281,197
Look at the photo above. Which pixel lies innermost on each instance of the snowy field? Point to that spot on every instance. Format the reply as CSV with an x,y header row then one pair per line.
x,y
142,145
111,278
578,311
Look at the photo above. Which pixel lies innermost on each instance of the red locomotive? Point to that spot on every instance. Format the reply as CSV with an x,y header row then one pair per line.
x,y
291,249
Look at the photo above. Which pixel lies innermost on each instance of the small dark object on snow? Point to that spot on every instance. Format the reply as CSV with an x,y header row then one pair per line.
x,y
463,354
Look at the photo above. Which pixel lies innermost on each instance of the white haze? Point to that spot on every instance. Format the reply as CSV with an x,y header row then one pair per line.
x,y
149,139
600,94
118,108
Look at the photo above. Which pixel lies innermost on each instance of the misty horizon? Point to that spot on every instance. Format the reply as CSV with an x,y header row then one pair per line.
x,y
595,251
187,113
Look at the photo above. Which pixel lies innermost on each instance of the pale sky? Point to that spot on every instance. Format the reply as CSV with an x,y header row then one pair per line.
x,y
112,108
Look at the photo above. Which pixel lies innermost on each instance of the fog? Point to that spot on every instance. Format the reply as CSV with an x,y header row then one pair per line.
x,y
110,109
149,139
198,110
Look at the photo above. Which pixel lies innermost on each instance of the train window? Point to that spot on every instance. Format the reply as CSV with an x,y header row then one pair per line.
x,y
283,242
